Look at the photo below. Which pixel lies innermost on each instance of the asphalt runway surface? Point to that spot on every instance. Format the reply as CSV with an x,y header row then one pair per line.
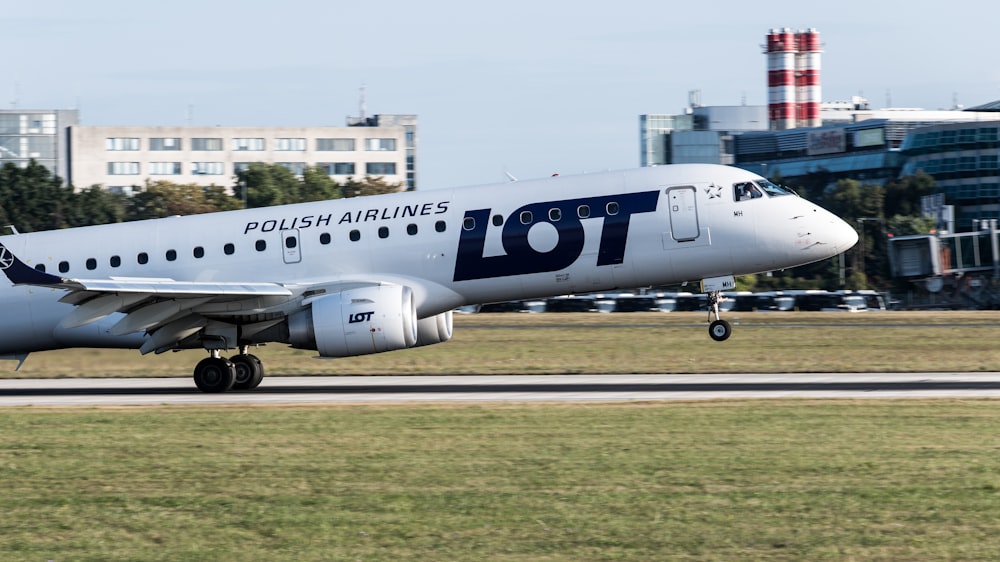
x,y
508,388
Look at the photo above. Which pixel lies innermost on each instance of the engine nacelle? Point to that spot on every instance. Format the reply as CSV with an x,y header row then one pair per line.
x,y
357,322
434,329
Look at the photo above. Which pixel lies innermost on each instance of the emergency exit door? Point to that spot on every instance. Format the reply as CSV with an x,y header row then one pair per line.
x,y
290,246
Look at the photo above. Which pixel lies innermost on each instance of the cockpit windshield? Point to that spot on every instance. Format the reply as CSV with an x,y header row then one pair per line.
x,y
773,190
746,190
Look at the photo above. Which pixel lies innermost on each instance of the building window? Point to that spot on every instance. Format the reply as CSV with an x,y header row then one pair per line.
x,y
248,144
121,143
241,167
168,143
164,168
206,144
340,145
123,168
297,168
380,145
208,168
380,168
290,144
337,168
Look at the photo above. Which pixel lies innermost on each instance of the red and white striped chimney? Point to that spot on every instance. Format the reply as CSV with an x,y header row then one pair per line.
x,y
781,51
807,88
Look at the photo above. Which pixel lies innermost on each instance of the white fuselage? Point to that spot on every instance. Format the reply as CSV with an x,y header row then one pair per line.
x,y
452,247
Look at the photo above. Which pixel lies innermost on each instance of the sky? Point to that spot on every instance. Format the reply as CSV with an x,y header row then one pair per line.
x,y
529,88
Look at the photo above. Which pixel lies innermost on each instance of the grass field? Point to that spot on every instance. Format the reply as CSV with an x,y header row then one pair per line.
x,y
717,480
767,480
620,343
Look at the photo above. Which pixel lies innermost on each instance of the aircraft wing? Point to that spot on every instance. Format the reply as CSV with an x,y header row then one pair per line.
x,y
150,304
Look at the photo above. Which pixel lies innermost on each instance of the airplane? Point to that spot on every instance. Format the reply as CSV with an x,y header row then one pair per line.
x,y
365,275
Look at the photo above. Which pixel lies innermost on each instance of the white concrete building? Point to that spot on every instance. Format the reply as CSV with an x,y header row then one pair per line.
x,y
124,157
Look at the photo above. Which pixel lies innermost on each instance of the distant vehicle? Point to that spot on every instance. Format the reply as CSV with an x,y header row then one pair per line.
x,y
570,304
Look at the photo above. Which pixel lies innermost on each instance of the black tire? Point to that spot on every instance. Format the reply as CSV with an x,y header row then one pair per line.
x,y
249,371
214,375
720,330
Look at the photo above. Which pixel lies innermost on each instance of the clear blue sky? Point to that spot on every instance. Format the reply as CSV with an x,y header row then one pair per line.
x,y
529,87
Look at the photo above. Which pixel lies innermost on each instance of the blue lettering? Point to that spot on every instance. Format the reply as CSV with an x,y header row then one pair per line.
x,y
520,258
359,317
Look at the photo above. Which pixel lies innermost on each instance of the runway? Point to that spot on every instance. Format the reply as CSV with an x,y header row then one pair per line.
x,y
527,388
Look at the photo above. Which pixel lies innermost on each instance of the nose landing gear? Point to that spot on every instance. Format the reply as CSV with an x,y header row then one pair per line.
x,y
718,329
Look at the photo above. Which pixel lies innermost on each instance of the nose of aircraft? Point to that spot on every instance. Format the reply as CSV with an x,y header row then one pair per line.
x,y
844,236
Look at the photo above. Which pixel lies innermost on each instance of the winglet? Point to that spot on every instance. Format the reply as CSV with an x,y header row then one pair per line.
x,y
21,273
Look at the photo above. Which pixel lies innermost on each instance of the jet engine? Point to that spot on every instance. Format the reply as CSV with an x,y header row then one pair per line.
x,y
356,322
434,329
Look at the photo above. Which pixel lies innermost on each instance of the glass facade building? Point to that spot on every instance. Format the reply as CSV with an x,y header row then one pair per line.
x,y
39,135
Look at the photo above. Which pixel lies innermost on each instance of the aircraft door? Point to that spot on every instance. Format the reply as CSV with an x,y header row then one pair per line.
x,y
683,213
290,251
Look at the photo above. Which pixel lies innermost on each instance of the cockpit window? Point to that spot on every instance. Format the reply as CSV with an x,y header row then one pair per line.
x,y
773,190
744,191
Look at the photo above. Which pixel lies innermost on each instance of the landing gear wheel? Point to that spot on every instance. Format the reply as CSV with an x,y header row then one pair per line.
x,y
214,374
720,330
249,371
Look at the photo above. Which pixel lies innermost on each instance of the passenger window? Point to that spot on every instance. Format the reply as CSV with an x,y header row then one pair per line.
x,y
116,261
497,220
745,191
291,242
469,223
526,217
383,232
40,267
324,238
260,245
63,266
91,264
612,208
411,229
355,235
142,258
583,211
171,255
440,226
555,215
199,252
229,249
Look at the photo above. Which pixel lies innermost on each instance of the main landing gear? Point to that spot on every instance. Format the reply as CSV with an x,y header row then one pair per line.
x,y
239,372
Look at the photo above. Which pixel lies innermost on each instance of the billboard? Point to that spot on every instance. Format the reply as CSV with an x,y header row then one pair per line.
x,y
829,141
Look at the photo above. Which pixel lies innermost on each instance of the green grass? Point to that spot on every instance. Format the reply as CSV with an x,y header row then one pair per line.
x,y
774,480
620,343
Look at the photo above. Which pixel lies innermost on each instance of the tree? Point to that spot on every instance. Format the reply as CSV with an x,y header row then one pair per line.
x,y
902,196
164,199
317,185
267,185
33,198
95,205
370,185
